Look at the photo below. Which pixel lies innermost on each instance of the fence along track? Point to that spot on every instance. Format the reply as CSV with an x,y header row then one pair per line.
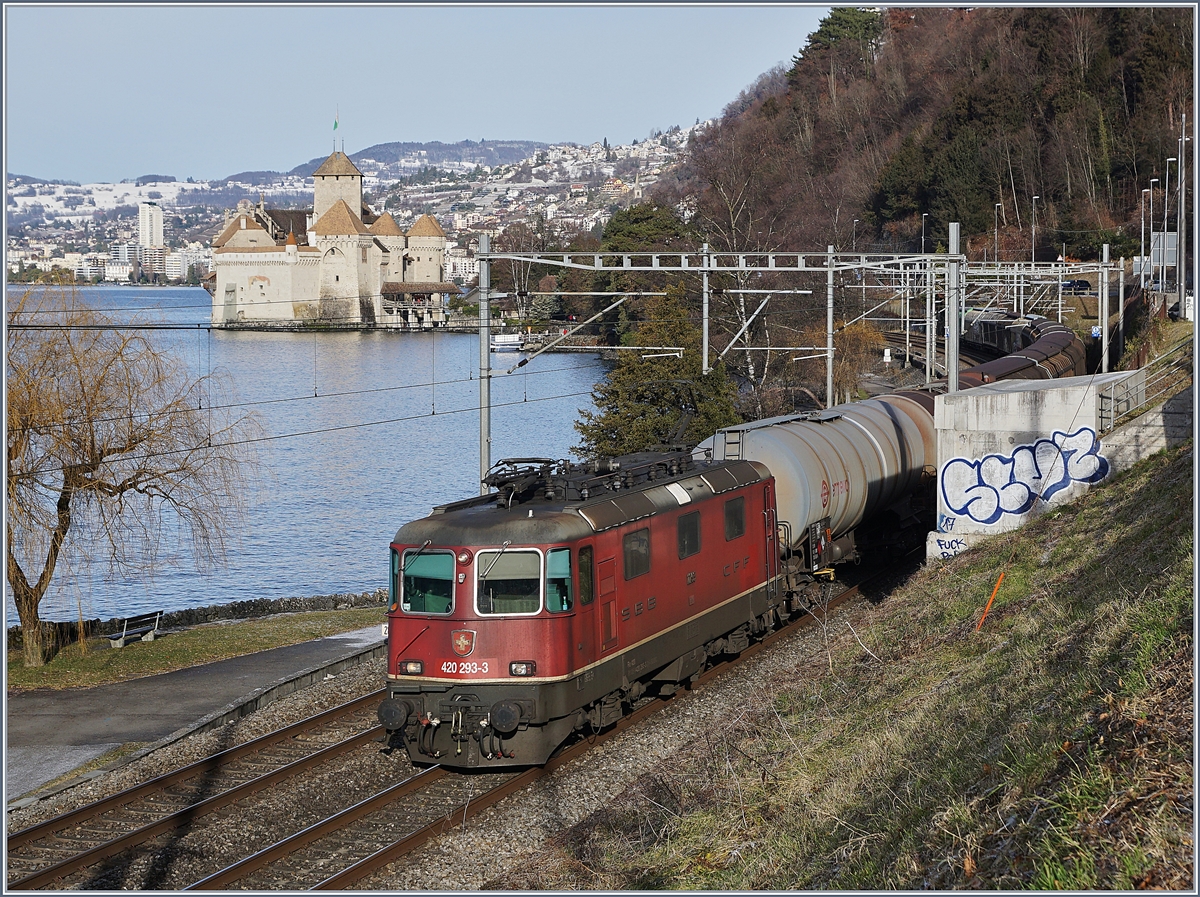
x,y
138,802
1123,400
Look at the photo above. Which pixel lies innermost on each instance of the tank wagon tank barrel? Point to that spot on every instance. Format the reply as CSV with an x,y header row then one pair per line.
x,y
839,467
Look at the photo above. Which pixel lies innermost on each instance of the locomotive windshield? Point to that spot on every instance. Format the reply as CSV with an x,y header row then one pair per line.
x,y
428,582
509,582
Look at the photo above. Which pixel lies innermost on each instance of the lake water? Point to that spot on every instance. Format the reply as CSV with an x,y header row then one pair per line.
x,y
327,504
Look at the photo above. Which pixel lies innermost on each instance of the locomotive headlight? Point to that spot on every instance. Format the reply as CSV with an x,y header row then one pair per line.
x,y
412,667
522,668
464,557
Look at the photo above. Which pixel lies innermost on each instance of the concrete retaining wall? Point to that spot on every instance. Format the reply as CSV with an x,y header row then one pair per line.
x,y
1010,451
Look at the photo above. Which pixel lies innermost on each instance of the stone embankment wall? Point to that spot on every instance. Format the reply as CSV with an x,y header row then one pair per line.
x,y
65,633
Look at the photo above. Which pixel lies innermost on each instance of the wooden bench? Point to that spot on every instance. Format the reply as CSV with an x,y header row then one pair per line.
x,y
143,626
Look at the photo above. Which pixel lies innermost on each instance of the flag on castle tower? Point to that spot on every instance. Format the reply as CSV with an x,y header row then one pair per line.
x,y
335,119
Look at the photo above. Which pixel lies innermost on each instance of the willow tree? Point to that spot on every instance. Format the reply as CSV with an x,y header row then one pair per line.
x,y
114,450
653,399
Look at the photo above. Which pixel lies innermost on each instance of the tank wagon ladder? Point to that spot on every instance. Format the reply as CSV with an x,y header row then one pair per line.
x,y
733,444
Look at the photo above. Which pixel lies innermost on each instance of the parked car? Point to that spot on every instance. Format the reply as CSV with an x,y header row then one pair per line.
x,y
1076,286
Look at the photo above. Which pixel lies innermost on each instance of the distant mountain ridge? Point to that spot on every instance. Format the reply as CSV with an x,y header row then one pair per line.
x,y
465,152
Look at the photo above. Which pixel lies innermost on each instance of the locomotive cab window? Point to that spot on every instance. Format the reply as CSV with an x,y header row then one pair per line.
x,y
558,580
427,582
735,518
508,582
637,553
689,535
587,591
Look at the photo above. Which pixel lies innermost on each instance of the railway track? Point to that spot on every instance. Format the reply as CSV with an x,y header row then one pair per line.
x,y
60,848
916,349
202,827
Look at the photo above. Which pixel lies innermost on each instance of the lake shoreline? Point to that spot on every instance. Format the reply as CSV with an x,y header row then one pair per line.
x,y
68,631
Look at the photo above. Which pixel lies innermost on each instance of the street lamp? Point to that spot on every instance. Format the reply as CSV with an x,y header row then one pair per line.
x,y
1153,181
1166,207
924,215
1181,270
1033,232
996,215
1142,258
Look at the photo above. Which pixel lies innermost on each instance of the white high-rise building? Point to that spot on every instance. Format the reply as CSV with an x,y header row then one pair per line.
x,y
150,225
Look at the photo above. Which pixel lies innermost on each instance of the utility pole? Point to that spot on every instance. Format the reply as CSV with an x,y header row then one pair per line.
x,y
952,301
704,347
829,397
1180,251
1104,309
1121,309
485,363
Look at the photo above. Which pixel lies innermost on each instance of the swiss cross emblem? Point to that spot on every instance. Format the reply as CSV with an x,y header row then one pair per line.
x,y
463,641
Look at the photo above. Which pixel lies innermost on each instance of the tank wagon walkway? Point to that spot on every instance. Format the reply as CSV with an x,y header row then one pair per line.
x,y
51,732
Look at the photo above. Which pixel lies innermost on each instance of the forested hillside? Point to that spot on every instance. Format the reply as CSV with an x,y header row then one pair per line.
x,y
884,116
887,125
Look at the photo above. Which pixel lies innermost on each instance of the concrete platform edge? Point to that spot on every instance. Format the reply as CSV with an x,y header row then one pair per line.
x,y
255,700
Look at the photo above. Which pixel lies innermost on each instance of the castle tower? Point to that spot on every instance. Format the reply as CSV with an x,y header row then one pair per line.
x,y
337,178
426,252
388,232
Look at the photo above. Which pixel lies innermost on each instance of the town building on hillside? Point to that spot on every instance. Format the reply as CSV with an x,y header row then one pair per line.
x,y
337,264
150,225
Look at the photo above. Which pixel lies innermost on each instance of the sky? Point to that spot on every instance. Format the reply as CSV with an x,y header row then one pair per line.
x,y
104,93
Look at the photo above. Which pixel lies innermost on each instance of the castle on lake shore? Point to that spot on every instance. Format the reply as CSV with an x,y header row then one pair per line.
x,y
336,264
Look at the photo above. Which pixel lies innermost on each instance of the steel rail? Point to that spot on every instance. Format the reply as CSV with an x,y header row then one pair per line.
x,y
182,817
304,837
207,765
364,867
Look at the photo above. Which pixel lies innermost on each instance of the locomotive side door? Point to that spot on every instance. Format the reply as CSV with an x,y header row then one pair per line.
x,y
606,576
583,625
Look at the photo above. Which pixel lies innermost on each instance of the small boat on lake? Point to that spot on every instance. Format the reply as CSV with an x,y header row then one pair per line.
x,y
508,342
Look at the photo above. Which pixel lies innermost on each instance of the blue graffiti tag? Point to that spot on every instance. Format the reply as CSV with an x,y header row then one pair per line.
x,y
995,485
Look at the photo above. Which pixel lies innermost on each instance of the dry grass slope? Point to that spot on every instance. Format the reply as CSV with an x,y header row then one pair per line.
x,y
1051,749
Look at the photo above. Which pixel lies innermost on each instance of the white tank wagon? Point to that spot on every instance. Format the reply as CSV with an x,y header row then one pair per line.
x,y
836,468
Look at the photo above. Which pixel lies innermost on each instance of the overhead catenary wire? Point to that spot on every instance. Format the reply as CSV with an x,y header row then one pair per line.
x,y
328,395
254,440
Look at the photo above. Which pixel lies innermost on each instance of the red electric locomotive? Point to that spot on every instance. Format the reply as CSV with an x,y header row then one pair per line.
x,y
549,605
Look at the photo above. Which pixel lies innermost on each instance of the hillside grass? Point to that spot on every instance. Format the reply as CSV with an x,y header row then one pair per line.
x,y
95,663
1050,749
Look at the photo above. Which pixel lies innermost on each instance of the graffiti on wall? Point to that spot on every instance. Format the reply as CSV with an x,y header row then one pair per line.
x,y
987,489
951,547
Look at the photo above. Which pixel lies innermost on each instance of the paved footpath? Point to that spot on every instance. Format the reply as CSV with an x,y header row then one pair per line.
x,y
52,732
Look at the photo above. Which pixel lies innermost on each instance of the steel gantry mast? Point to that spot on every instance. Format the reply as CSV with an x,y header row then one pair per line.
x,y
958,279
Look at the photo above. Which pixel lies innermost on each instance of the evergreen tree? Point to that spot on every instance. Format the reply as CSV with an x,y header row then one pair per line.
x,y
643,403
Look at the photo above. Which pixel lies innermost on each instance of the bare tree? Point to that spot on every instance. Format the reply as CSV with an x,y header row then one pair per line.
x,y
113,448
536,236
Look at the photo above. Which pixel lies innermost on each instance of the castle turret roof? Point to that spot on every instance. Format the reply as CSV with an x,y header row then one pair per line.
x,y
426,226
339,220
337,164
385,226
